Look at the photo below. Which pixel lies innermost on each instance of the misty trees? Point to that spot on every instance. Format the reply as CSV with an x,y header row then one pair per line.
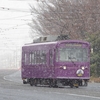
x,y
94,39
74,18
71,17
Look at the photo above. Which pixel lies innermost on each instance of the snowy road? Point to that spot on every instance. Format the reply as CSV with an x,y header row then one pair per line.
x,y
11,88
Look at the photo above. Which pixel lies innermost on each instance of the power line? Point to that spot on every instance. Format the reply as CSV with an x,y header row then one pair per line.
x,y
13,9
10,28
15,17
23,0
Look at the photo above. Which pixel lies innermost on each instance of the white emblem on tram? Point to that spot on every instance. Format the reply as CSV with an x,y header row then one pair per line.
x,y
80,72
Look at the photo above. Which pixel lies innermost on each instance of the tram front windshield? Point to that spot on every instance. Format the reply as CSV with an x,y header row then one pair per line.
x,y
72,54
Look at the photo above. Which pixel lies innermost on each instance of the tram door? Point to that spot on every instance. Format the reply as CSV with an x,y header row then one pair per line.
x,y
51,61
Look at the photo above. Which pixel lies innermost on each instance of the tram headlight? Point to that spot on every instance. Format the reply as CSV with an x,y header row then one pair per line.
x,y
64,67
83,67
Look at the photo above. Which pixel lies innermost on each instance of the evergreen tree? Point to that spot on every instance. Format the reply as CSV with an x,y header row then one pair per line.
x,y
94,39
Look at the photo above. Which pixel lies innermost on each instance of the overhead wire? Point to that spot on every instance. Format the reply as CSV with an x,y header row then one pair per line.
x,y
3,35
15,17
13,9
23,0
14,27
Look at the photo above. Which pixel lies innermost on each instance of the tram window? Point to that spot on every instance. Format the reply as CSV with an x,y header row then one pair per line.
x,y
57,55
26,60
51,57
32,58
37,57
43,57
40,59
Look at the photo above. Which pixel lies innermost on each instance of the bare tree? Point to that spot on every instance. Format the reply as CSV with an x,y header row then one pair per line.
x,y
71,17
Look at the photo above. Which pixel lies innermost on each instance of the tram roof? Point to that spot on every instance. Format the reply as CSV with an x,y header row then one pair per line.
x,y
55,42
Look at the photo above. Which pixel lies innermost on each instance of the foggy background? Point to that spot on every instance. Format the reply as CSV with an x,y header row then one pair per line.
x,y
15,16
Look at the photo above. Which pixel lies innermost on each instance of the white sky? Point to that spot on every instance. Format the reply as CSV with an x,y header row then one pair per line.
x,y
14,17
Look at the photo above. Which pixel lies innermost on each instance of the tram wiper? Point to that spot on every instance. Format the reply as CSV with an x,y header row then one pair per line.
x,y
71,60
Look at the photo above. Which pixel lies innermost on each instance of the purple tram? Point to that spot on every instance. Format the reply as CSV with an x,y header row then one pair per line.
x,y
58,63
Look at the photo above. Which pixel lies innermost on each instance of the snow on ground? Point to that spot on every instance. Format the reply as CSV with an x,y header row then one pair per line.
x,y
16,77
